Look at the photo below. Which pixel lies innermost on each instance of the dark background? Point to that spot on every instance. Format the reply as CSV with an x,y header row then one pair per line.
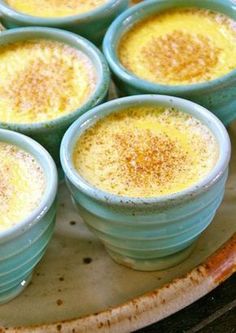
x,y
214,313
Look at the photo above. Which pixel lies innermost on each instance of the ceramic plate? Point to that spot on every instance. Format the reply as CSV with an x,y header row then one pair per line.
x,y
77,288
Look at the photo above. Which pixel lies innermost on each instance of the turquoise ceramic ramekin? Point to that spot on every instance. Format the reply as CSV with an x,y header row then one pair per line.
x,y
22,246
219,96
148,233
91,25
50,133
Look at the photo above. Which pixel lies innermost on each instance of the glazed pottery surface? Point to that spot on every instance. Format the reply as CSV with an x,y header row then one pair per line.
x,y
50,133
23,245
218,96
91,25
116,299
148,233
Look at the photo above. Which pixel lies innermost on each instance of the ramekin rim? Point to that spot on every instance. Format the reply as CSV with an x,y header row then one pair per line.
x,y
93,115
97,95
51,176
109,50
37,20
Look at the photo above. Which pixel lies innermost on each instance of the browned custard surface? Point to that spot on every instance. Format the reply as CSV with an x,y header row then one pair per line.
x,y
145,152
180,46
42,80
22,185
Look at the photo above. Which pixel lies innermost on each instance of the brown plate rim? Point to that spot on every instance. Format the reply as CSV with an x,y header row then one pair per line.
x,y
152,306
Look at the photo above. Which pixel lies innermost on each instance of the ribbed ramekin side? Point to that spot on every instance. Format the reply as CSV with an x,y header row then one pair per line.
x,y
22,274
17,268
16,290
141,244
9,249
123,216
17,265
153,232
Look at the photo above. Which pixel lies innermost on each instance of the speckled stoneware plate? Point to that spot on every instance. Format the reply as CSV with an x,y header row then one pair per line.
x,y
77,288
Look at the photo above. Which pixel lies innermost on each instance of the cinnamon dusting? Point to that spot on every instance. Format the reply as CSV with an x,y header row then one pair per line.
x,y
22,184
145,151
42,80
181,55
180,46
145,158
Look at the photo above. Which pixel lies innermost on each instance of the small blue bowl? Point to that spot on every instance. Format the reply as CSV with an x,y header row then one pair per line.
x,y
23,245
218,96
148,233
50,133
91,25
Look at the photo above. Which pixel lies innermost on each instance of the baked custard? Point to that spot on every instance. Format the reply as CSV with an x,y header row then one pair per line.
x,y
146,152
180,47
22,185
54,8
42,80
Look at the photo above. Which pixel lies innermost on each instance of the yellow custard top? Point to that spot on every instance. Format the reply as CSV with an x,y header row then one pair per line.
x,y
180,46
54,8
22,184
42,80
145,152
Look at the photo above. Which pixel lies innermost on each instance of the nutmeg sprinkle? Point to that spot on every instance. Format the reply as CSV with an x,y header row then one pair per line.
x,y
180,46
188,57
22,184
145,156
145,152
42,80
